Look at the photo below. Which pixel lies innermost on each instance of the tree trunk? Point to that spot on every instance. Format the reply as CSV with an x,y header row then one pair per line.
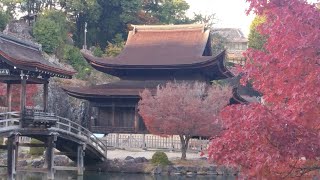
x,y
184,146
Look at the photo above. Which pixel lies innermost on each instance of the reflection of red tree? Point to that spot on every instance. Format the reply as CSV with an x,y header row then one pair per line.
x,y
32,90
279,138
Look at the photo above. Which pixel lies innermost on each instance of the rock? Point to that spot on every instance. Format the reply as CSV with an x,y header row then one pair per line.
x,y
140,160
157,170
203,158
128,158
61,161
191,169
22,163
37,163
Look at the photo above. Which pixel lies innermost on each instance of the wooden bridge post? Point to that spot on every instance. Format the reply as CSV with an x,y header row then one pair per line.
x,y
80,157
49,156
12,148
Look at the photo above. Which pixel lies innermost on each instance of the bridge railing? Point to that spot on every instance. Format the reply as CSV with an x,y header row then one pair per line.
x,y
78,130
8,119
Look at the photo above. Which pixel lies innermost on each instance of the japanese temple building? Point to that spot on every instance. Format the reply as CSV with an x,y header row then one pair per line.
x,y
22,62
153,55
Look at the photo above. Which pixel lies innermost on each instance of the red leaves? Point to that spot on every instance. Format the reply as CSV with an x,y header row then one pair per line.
x,y
32,90
271,139
184,109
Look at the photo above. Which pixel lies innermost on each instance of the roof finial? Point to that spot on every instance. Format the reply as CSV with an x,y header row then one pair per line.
x,y
85,36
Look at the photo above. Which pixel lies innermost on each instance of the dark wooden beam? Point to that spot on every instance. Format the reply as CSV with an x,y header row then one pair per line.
x,y
113,123
15,79
23,95
9,97
45,97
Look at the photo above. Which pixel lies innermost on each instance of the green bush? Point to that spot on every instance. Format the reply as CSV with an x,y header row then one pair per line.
x,y
160,158
73,56
46,32
36,151
97,51
4,19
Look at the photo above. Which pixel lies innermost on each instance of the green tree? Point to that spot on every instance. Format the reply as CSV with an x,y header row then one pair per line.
x,y
4,19
256,40
167,11
46,32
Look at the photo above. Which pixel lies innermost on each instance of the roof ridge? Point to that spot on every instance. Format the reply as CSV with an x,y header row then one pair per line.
x,y
168,27
19,41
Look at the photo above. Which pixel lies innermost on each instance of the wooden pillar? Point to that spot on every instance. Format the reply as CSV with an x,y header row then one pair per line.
x,y
45,96
23,96
117,140
113,123
12,148
80,159
9,96
49,155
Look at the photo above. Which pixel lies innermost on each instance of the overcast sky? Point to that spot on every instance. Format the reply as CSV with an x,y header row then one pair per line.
x,y
229,13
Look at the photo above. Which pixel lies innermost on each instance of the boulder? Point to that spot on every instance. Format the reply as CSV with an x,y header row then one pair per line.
x,y
128,158
22,163
140,160
37,163
157,170
61,161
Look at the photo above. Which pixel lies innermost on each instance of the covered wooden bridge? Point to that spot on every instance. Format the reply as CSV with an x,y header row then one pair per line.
x,y
22,63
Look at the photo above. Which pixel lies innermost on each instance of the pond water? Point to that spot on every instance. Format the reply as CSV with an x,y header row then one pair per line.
x,y
67,175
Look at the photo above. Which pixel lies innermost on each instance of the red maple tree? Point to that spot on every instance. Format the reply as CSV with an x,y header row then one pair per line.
x,y
279,137
32,90
184,109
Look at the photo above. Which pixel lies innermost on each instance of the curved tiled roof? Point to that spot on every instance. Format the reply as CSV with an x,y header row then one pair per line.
x,y
27,56
159,46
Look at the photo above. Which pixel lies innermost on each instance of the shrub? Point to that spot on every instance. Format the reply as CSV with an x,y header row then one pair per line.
x,y
73,56
46,32
36,151
160,158
97,51
4,19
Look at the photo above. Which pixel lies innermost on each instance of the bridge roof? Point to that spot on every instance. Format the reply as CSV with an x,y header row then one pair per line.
x,y
28,56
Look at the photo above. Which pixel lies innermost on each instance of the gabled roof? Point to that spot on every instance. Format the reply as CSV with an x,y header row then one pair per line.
x,y
28,56
230,34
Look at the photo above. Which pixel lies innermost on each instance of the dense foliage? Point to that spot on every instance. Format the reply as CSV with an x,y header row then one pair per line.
x,y
255,39
184,109
50,30
4,19
160,158
36,151
280,137
73,56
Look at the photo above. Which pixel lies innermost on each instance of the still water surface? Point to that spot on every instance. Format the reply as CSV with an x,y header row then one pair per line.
x,y
67,175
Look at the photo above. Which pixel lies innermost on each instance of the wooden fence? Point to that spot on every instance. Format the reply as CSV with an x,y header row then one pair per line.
x,y
148,141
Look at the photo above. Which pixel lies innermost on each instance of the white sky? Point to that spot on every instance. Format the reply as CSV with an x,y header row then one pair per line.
x,y
229,13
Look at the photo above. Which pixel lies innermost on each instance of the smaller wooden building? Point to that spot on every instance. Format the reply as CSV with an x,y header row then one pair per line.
x,y
22,62
153,55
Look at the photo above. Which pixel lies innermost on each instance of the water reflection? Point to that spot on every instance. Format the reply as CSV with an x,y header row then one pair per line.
x,y
67,175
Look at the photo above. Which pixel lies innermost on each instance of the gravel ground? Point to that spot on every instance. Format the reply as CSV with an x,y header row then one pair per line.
x,y
122,154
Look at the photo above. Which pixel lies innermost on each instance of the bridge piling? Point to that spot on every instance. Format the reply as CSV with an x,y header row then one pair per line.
x,y
49,155
12,147
80,157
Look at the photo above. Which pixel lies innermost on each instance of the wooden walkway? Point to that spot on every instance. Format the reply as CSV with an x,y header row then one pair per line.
x,y
70,138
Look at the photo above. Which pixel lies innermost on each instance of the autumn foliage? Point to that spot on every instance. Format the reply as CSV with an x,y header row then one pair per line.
x,y
279,137
32,90
184,109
